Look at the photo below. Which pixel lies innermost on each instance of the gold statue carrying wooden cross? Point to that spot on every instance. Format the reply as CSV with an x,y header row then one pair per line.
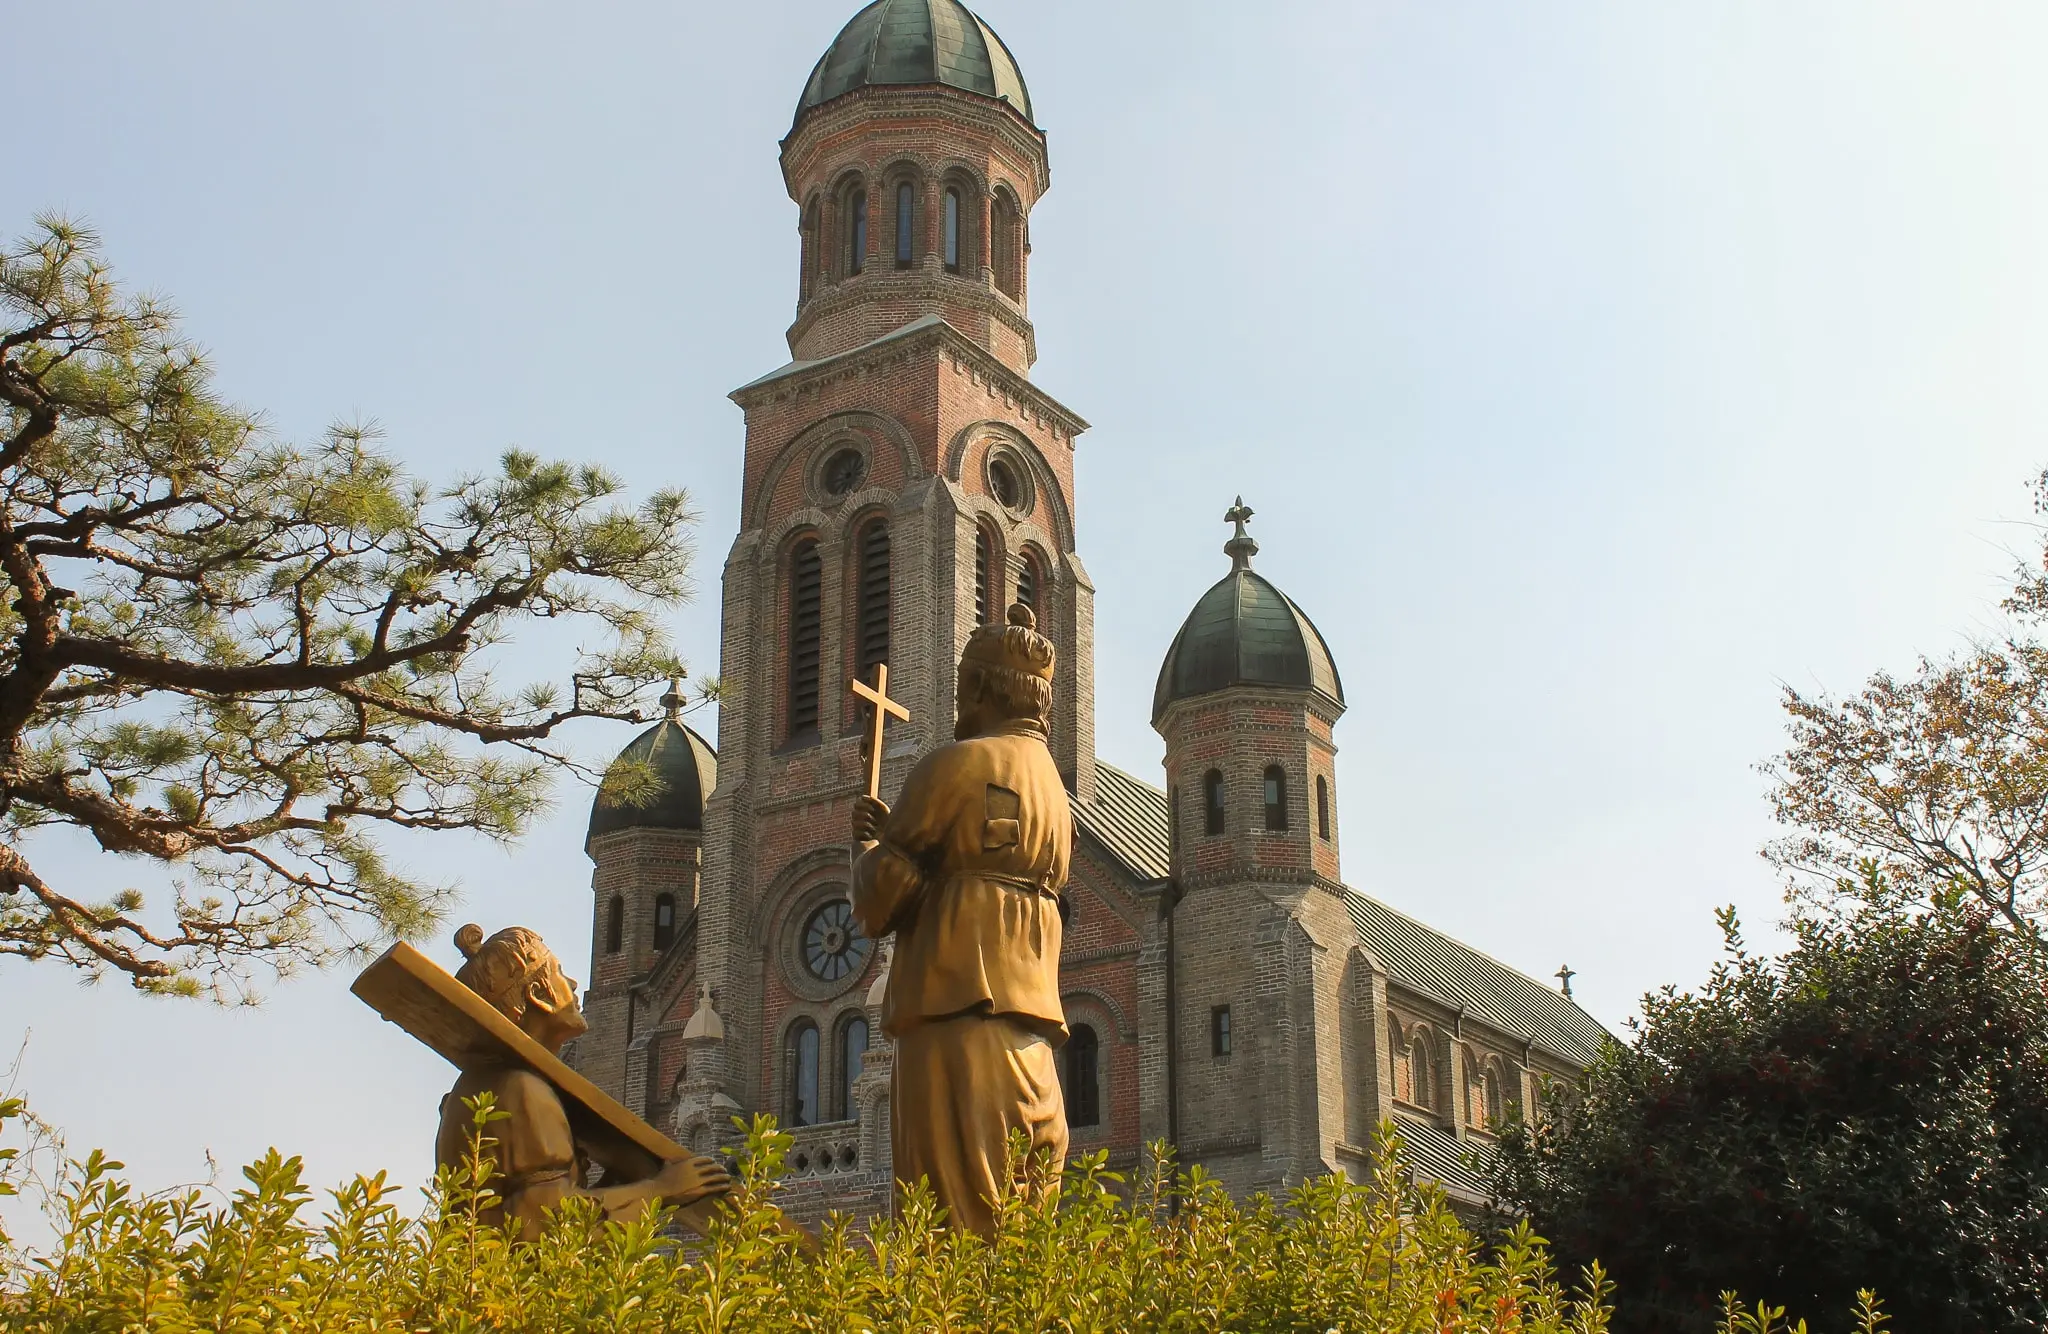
x,y
501,1021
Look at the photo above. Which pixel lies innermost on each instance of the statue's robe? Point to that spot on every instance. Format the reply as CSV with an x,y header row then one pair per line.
x,y
968,873
539,1163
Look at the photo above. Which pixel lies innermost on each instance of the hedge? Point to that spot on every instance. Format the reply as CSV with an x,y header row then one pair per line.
x,y
1168,1250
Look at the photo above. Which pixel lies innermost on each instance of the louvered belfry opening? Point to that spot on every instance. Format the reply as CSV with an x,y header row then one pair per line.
x,y
872,614
806,594
1027,583
983,556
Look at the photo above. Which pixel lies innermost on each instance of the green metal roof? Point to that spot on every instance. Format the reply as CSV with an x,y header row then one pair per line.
x,y
1244,631
1438,1155
1130,819
688,768
1430,963
912,42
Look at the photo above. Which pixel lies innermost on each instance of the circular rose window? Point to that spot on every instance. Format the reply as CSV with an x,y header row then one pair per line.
x,y
833,947
1004,484
843,472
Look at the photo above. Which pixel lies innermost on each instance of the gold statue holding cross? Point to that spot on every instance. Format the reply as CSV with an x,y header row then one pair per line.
x,y
967,870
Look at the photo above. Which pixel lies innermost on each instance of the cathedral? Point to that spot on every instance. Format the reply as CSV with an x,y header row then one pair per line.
x,y
904,481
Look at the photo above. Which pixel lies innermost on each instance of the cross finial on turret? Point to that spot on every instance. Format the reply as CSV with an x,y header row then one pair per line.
x,y
1240,548
672,702
1564,978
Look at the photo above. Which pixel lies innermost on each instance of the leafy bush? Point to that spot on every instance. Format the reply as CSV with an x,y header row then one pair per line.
x,y
1875,1103
1384,1256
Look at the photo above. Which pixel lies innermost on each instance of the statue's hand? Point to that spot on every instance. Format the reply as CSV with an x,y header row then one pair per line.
x,y
688,1180
869,814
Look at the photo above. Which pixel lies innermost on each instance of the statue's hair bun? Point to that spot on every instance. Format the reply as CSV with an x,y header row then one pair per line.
x,y
469,939
1021,615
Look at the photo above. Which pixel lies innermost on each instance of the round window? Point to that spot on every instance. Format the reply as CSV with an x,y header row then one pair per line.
x,y
834,948
1004,484
843,472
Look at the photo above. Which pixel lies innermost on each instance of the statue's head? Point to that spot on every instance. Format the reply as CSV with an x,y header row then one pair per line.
x,y
523,980
1005,676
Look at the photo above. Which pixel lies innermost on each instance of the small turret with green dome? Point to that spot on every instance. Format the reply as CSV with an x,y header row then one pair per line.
x,y
684,764
1245,632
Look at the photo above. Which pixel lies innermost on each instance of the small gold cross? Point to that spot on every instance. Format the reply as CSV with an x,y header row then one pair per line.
x,y
884,709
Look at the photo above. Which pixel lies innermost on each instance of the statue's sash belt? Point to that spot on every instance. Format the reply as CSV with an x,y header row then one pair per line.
x,y
525,1181
1039,885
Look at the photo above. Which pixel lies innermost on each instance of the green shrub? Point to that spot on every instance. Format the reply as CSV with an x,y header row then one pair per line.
x,y
1874,1102
1382,1256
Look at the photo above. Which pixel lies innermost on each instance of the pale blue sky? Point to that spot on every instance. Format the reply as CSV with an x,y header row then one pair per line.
x,y
1593,368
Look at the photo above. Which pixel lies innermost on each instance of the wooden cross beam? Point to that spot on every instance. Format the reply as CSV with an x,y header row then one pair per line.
x,y
415,993
877,695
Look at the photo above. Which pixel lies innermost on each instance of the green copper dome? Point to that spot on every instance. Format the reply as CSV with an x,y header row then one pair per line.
x,y
688,769
917,41
1245,632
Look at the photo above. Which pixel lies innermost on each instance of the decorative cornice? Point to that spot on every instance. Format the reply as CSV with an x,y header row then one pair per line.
x,y
1311,699
1104,955
931,333
860,107
1257,876
878,283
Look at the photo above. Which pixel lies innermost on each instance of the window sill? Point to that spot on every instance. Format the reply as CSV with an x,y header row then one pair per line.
x,y
805,740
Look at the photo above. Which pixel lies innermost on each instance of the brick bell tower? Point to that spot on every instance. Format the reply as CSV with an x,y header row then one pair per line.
x,y
904,481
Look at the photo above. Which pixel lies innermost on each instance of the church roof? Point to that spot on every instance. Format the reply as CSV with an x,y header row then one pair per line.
x,y
687,766
1443,1157
1244,631
1130,819
913,42
1425,960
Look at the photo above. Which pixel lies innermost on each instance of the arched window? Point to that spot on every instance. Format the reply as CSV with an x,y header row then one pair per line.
x,y
1322,808
1421,1074
1212,801
808,273
615,925
906,224
1006,246
984,558
1276,797
664,921
871,616
801,1070
857,231
806,591
853,1049
952,230
1494,1104
1084,1087
1027,583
